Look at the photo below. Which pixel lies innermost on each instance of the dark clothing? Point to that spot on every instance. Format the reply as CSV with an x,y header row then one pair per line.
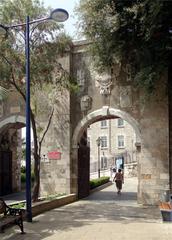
x,y
118,180
118,184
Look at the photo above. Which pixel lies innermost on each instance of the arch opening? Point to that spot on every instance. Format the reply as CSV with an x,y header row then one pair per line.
x,y
11,154
81,132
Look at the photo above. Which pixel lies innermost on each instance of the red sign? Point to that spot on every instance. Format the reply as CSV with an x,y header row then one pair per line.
x,y
54,155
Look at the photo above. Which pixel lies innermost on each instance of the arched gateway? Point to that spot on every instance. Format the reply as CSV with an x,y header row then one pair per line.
x,y
105,112
12,118
113,94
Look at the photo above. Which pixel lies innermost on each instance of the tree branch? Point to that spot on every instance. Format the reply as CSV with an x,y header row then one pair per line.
x,y
46,129
13,82
6,59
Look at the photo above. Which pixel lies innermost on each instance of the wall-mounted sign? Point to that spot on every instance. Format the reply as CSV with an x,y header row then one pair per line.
x,y
54,155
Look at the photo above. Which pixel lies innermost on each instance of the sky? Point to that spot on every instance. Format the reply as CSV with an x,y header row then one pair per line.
x,y
69,6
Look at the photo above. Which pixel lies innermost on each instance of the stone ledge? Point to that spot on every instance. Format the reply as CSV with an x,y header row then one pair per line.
x,y
47,205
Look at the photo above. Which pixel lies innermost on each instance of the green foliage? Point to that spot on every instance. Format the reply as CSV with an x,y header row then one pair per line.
x,y
23,176
134,31
23,169
46,43
23,153
3,93
98,182
18,205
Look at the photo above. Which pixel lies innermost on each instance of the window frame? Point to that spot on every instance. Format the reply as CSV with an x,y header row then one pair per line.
x,y
103,126
106,141
118,145
102,162
119,125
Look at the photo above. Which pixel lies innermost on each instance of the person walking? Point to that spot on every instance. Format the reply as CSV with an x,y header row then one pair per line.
x,y
118,178
113,172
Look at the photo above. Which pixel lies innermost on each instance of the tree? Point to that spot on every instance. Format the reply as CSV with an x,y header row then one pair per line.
x,y
3,93
47,42
135,30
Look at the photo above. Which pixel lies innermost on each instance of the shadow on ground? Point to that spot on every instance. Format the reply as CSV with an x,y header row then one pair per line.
x,y
100,207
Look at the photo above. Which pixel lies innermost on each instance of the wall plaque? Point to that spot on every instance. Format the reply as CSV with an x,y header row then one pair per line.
x,y
54,155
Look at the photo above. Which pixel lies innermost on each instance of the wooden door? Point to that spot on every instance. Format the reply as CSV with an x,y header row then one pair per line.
x,y
5,172
83,171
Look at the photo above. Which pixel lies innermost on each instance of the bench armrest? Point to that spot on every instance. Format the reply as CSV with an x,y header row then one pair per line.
x,y
15,211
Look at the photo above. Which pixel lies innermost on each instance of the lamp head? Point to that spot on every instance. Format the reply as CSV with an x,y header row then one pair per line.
x,y
59,15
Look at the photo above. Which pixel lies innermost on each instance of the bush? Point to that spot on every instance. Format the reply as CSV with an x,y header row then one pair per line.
x,y
23,169
98,182
18,205
23,177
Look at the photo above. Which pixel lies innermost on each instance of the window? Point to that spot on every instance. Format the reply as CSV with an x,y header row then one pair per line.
x,y
120,122
120,141
103,162
103,142
103,124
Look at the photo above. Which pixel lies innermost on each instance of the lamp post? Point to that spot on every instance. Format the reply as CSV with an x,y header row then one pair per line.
x,y
98,147
59,15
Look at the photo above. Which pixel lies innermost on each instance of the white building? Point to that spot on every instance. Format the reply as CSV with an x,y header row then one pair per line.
x,y
117,144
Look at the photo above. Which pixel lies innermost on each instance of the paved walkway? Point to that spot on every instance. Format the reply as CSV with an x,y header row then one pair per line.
x,y
15,197
103,215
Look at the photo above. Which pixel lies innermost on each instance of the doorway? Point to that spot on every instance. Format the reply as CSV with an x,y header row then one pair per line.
x,y
5,172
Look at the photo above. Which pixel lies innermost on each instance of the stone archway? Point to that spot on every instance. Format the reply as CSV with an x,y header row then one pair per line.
x,y
99,114
104,112
13,119
9,153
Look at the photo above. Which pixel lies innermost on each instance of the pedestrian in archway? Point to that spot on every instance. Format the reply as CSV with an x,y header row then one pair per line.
x,y
119,180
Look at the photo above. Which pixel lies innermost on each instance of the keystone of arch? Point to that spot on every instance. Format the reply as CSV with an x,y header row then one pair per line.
x,y
96,115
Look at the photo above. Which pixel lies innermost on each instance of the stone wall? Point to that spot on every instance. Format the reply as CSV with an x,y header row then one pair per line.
x,y
149,114
55,173
130,170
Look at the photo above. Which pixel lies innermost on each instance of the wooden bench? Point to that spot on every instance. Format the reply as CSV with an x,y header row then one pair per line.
x,y
166,211
10,216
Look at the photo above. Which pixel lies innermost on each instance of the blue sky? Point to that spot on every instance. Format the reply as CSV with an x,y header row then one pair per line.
x,y
69,6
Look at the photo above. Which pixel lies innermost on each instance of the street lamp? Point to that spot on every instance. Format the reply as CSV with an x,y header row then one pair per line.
x,y
98,141
59,15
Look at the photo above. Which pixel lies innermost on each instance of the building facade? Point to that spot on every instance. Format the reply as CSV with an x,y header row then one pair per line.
x,y
117,144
